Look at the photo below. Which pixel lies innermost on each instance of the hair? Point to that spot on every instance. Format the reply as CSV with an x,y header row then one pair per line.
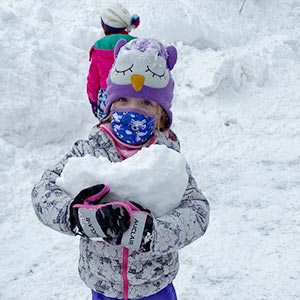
x,y
161,123
110,32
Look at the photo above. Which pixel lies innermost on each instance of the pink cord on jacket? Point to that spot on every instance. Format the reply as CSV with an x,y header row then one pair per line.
x,y
124,273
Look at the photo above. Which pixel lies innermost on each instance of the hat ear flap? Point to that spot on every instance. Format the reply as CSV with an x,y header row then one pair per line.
x,y
118,46
172,57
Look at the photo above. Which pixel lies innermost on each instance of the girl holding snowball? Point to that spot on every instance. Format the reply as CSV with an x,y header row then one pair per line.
x,y
128,248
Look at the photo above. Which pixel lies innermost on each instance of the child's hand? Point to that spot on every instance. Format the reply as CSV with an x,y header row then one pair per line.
x,y
92,195
139,235
109,220
94,107
92,218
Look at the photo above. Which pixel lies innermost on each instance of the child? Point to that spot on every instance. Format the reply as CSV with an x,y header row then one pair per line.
x,y
137,115
116,23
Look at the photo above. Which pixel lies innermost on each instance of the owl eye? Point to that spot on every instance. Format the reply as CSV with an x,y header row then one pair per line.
x,y
154,74
124,71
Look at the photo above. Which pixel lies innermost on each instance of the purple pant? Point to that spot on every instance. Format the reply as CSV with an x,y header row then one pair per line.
x,y
168,293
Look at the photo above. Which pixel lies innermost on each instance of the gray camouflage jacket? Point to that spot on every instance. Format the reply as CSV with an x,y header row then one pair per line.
x,y
100,264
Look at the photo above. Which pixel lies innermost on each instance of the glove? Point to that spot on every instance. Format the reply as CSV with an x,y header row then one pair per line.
x,y
92,218
98,108
94,107
118,223
139,235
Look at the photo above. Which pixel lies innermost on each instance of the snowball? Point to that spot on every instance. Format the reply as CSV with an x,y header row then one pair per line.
x,y
154,177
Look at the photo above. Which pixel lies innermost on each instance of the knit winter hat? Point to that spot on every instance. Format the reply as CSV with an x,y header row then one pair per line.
x,y
115,18
142,70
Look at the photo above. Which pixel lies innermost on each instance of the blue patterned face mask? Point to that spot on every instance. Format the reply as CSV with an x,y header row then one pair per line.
x,y
132,127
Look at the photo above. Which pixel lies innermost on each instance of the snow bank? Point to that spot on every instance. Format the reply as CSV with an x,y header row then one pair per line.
x,y
236,113
42,99
206,70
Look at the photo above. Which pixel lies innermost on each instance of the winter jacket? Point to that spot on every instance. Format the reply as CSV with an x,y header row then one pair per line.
x,y
102,58
100,264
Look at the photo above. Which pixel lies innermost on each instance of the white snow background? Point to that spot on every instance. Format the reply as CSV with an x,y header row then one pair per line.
x,y
236,112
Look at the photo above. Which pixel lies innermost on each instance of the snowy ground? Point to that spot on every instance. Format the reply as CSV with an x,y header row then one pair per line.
x,y
237,114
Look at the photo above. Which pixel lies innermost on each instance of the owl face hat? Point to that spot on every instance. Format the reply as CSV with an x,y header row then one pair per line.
x,y
142,70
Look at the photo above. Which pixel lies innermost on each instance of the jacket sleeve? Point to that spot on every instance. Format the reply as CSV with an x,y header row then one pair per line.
x,y
93,79
50,202
184,224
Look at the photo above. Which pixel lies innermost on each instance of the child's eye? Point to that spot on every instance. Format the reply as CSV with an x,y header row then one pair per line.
x,y
154,74
124,71
123,100
147,103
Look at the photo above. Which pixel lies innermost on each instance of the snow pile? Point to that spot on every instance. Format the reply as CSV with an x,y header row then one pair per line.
x,y
155,177
236,113
207,70
204,24
39,103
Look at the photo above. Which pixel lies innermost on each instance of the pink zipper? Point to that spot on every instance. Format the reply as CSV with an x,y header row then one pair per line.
x,y
124,273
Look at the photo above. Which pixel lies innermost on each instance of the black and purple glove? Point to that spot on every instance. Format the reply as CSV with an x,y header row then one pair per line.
x,y
91,218
94,108
139,235
118,223
97,110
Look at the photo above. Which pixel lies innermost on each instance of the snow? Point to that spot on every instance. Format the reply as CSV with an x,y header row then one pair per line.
x,y
236,112
132,179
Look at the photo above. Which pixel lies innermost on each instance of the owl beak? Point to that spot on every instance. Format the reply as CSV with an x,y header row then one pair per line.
x,y
137,82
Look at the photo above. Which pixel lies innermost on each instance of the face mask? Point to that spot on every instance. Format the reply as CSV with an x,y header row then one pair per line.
x,y
132,127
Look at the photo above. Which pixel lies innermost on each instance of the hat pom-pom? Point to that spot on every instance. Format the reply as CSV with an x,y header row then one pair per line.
x,y
134,21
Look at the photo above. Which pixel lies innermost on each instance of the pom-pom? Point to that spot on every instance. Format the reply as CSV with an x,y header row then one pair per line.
x,y
135,21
